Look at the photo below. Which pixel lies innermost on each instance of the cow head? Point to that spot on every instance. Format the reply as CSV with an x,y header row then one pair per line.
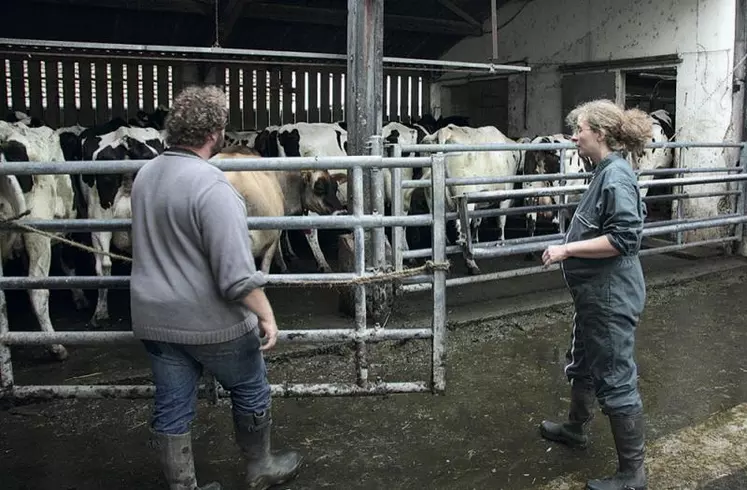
x,y
15,151
319,193
538,162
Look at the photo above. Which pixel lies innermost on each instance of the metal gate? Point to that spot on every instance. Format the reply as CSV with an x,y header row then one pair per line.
x,y
360,334
735,218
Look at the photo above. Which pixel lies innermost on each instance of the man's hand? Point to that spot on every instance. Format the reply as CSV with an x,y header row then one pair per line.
x,y
268,330
554,253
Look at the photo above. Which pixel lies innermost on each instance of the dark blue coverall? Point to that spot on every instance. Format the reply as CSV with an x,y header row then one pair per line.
x,y
608,294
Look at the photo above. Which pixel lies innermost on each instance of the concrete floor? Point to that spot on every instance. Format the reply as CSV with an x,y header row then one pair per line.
x,y
504,376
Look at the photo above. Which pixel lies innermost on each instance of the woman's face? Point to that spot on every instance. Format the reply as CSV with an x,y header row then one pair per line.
x,y
587,140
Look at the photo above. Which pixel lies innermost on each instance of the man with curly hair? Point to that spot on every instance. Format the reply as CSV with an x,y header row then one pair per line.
x,y
196,297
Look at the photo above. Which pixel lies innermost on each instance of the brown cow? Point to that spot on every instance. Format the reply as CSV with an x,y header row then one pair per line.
x,y
279,193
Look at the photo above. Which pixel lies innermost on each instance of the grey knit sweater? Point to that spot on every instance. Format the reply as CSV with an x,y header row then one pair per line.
x,y
192,261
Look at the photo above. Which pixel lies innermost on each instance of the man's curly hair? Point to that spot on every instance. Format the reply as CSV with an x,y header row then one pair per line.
x,y
195,114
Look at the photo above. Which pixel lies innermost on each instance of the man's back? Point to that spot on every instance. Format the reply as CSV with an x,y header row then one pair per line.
x,y
191,259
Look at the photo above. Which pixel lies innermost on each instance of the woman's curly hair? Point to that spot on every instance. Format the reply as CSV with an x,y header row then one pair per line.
x,y
196,113
626,130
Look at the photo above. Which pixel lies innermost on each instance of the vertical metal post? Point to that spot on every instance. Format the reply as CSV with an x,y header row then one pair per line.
x,y
365,77
741,247
6,367
377,204
562,213
494,25
397,210
680,210
360,289
438,193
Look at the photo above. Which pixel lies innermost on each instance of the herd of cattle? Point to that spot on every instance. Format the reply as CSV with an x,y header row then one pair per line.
x,y
277,193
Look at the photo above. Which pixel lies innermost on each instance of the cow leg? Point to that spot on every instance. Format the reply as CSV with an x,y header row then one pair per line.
x,y
312,236
279,258
102,242
39,249
269,255
288,248
79,298
531,219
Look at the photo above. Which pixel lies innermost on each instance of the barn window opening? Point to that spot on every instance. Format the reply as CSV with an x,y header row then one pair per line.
x,y
8,87
43,82
125,86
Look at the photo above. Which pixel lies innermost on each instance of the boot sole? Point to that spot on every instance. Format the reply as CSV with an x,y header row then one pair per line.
x,y
567,442
264,485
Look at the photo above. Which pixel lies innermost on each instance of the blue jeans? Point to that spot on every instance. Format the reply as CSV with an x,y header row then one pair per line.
x,y
238,366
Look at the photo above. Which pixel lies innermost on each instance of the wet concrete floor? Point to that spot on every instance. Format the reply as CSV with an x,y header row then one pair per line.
x,y
504,376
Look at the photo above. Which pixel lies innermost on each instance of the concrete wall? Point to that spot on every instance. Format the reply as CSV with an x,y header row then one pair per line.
x,y
549,33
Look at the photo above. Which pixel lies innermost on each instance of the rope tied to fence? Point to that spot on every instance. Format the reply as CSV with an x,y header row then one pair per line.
x,y
14,221
376,277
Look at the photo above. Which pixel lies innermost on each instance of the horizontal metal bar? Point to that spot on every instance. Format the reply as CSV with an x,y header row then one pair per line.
x,y
340,221
289,336
577,189
689,195
674,248
688,170
494,276
422,253
123,282
670,222
412,184
228,164
456,64
181,50
432,148
490,196
501,251
692,181
51,392
421,283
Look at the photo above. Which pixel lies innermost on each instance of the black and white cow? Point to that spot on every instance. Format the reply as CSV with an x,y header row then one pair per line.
x,y
244,139
45,197
107,196
656,158
544,162
477,163
308,140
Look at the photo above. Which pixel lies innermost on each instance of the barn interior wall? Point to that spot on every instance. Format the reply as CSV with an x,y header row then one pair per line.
x,y
548,34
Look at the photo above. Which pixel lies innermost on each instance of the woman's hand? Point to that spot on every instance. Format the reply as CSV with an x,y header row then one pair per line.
x,y
555,253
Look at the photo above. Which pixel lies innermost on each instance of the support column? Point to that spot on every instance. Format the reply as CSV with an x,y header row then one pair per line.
x,y
363,115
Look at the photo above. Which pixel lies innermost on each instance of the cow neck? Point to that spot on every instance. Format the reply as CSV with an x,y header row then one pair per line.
x,y
291,183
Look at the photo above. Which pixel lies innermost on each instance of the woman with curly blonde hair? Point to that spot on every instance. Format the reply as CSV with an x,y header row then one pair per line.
x,y
600,264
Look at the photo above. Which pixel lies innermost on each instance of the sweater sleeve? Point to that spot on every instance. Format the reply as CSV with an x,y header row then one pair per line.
x,y
225,240
622,220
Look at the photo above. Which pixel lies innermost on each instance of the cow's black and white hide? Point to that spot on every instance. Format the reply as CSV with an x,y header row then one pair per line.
x,y
308,140
45,197
107,196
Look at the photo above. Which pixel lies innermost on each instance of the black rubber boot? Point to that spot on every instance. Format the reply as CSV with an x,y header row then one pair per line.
x,y
264,468
572,433
175,452
630,443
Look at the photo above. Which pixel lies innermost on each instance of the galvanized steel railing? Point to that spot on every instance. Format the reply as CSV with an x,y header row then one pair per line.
x,y
473,250
359,335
